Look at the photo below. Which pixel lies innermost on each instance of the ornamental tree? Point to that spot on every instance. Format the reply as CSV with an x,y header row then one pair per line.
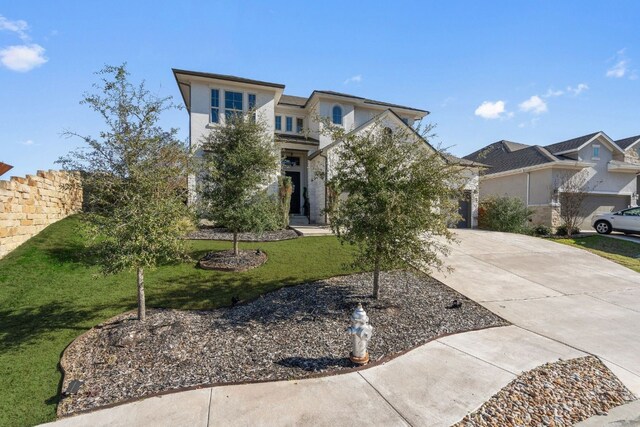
x,y
134,177
394,196
571,189
239,161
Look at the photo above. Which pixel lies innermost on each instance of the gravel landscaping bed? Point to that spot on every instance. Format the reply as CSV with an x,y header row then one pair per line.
x,y
228,261
223,234
293,332
555,394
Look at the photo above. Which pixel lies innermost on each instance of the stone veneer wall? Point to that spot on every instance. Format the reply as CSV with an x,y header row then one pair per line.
x,y
546,215
29,204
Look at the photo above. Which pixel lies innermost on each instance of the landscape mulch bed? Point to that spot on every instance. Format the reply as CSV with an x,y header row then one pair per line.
x,y
555,394
228,261
223,234
291,333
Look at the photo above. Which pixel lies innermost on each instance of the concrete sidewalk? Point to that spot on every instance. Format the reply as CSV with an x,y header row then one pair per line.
x,y
436,385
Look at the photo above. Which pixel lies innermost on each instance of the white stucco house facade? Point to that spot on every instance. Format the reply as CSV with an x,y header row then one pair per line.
x,y
298,132
534,174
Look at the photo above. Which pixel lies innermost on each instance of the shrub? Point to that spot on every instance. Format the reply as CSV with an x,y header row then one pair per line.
x,y
507,214
563,230
541,230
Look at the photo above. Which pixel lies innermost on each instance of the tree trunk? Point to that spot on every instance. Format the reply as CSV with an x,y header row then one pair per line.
x,y
376,282
142,309
235,244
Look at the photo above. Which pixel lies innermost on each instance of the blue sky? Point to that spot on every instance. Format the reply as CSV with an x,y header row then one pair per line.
x,y
534,72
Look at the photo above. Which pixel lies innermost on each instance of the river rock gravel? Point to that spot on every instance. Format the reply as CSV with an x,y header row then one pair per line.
x,y
290,333
555,394
223,234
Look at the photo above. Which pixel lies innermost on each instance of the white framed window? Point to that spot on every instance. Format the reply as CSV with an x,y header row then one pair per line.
x,y
289,124
278,122
232,103
299,125
215,106
596,152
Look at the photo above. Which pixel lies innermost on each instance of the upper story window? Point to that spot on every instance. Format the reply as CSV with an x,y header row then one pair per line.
x,y
251,101
299,125
596,152
336,115
289,124
278,122
232,103
215,106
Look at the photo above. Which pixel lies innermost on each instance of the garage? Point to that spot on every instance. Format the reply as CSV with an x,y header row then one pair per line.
x,y
600,203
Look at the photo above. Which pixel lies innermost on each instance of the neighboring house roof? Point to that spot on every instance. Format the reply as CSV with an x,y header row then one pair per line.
x,y
4,168
507,155
226,77
571,144
300,139
628,142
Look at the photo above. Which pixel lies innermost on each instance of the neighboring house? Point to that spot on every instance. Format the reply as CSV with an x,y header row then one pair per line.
x,y
293,120
534,173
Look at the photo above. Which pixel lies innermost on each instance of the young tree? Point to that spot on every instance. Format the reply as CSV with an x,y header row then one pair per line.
x,y
395,194
134,177
572,190
239,159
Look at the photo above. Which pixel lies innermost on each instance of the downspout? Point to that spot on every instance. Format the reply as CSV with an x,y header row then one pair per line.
x,y
528,187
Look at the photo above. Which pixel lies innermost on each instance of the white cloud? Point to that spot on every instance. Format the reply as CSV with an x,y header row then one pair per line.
x,y
491,110
619,69
534,105
553,93
578,89
27,142
19,27
23,58
355,79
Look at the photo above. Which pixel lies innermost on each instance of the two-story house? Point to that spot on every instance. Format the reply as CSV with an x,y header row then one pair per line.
x,y
297,130
535,174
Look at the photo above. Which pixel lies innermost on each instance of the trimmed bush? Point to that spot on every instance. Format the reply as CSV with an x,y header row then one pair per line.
x,y
563,230
506,214
541,230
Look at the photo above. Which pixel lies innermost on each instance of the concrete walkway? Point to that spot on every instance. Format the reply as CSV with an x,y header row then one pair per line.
x,y
563,302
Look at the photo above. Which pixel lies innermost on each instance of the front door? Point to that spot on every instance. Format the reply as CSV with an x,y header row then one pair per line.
x,y
464,210
295,196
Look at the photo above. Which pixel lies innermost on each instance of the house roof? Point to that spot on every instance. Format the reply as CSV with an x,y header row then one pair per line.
x,y
301,101
4,168
627,142
571,144
227,77
300,139
507,155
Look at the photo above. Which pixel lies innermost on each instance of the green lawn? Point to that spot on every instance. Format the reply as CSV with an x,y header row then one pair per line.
x,y
620,251
49,296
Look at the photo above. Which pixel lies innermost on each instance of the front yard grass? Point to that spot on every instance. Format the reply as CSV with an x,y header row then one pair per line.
x,y
620,251
49,296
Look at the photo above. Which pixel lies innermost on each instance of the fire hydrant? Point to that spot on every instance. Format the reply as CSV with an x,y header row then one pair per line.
x,y
361,332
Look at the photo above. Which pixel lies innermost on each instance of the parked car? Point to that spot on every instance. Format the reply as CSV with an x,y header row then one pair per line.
x,y
626,220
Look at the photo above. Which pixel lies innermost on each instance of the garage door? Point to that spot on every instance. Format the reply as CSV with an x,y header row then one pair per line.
x,y
595,204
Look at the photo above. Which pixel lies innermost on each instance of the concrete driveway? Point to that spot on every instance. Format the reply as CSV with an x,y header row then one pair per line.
x,y
562,293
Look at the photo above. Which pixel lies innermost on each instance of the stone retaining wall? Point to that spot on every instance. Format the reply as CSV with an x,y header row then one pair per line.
x,y
546,215
29,204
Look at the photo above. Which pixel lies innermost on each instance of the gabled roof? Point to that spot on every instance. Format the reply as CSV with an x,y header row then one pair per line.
x,y
571,144
628,142
450,158
504,155
303,102
300,139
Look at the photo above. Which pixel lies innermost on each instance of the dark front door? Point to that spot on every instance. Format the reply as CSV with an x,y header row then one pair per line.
x,y
464,209
295,196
